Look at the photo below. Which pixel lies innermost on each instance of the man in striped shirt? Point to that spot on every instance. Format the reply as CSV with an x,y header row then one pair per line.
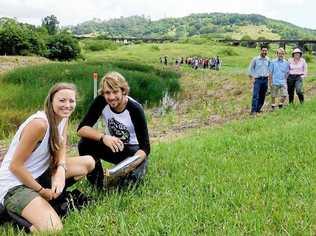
x,y
259,73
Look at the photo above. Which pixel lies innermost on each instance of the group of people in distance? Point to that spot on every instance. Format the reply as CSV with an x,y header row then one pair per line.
x,y
35,169
195,62
213,63
281,75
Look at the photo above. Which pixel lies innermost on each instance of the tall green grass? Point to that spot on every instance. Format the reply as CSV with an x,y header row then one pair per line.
x,y
24,90
98,45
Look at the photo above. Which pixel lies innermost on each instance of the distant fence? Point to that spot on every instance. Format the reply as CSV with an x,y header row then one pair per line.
x,y
282,42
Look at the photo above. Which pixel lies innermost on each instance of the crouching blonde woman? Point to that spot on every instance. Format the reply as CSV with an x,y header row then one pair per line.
x,y
35,167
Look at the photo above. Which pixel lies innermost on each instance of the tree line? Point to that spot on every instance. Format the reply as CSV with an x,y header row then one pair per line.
x,y
46,40
215,24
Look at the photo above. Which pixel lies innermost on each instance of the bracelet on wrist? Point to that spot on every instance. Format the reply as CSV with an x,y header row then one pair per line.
x,y
41,188
63,165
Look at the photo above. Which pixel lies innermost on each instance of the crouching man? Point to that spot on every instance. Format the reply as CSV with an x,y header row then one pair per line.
x,y
126,131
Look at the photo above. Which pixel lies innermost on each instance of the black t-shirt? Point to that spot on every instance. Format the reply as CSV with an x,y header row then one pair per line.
x,y
129,125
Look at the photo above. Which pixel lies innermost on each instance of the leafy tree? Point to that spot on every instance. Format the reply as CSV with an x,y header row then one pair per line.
x,y
19,39
51,24
63,47
247,44
246,37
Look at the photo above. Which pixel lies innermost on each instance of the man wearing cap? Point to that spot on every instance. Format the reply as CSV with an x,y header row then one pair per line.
x,y
279,69
298,71
259,73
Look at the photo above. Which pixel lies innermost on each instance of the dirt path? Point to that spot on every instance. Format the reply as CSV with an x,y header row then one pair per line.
x,y
8,63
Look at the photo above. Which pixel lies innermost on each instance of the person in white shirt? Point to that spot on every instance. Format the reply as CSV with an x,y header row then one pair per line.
x,y
35,167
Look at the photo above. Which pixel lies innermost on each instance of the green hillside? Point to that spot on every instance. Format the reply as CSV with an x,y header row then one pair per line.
x,y
216,25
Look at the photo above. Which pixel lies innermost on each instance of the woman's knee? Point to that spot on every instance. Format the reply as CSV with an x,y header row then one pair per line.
x,y
89,163
42,216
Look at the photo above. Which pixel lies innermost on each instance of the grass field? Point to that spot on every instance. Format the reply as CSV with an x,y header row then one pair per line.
x,y
242,177
254,177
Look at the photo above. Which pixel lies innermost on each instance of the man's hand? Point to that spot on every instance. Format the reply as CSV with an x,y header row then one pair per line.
x,y
270,82
252,81
114,143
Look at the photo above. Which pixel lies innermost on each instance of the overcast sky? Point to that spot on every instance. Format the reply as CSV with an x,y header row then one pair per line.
x,y
72,12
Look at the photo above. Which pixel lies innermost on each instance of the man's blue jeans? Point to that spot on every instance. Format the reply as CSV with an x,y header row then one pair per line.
x,y
260,88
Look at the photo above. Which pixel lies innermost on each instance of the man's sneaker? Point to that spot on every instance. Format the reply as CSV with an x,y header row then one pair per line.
x,y
253,113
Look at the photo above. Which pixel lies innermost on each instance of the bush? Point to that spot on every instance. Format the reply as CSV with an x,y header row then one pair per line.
x,y
245,37
99,45
228,52
309,57
155,48
63,47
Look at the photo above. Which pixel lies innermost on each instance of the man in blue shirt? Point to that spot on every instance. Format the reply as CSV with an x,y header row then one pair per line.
x,y
259,73
279,70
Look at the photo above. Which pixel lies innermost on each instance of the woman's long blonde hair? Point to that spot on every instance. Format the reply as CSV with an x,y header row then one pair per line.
x,y
54,137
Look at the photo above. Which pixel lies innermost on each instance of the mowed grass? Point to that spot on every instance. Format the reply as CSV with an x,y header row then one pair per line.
x,y
255,177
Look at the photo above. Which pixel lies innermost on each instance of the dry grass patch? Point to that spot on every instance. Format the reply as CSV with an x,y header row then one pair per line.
x,y
8,63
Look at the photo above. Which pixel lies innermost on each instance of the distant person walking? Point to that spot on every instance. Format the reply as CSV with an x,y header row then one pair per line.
x,y
279,70
298,71
217,63
259,73
165,60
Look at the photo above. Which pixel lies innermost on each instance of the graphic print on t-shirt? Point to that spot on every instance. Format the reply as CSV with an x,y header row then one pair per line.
x,y
118,130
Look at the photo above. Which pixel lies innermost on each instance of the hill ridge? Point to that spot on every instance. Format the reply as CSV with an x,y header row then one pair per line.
x,y
216,25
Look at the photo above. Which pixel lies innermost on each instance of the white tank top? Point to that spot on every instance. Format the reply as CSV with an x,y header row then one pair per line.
x,y
37,163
